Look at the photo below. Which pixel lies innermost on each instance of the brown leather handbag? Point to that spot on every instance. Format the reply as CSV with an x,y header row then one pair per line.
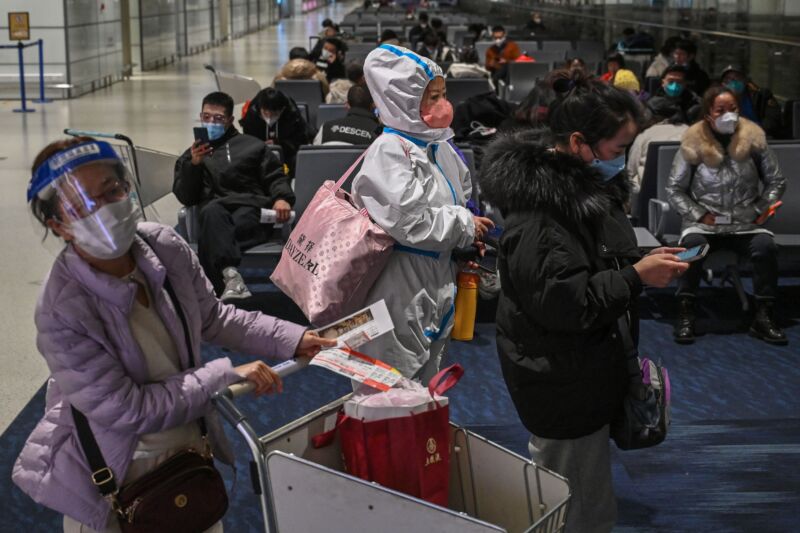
x,y
184,494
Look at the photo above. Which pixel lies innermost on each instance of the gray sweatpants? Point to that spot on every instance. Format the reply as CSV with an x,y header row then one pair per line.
x,y
586,463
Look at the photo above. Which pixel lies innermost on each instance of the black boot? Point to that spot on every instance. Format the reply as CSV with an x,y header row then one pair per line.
x,y
764,327
684,328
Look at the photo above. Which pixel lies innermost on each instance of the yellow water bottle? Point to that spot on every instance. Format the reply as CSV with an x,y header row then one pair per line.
x,y
466,306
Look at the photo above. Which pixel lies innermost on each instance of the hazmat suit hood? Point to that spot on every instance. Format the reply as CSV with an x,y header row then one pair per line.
x,y
397,78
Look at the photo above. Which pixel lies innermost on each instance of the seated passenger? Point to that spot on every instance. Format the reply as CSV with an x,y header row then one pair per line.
x,y
433,48
339,88
112,324
274,118
627,81
389,36
667,124
231,179
360,126
502,52
715,185
327,32
696,78
674,93
416,33
468,67
613,64
331,59
299,68
757,104
663,59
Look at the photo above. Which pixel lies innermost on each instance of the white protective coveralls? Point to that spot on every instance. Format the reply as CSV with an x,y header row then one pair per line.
x,y
415,186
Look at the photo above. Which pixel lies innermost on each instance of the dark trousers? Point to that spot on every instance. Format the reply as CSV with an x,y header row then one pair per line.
x,y
225,232
760,248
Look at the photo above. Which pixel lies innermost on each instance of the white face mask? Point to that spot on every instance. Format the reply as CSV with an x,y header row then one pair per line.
x,y
499,42
324,55
726,124
107,233
270,120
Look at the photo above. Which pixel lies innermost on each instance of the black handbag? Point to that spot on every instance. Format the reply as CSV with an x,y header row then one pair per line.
x,y
184,494
644,419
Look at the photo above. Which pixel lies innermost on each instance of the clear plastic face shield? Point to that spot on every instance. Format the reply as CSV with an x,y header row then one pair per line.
x,y
86,198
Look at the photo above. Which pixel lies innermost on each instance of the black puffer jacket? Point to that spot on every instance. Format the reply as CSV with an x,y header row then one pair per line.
x,y
565,267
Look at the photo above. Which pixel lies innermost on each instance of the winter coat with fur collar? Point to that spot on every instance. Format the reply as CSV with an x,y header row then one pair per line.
x,y
567,277
739,181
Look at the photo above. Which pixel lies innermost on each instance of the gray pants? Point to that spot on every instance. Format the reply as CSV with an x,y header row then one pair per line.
x,y
586,463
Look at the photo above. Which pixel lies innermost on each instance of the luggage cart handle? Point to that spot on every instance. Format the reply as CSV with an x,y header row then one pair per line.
x,y
282,369
82,133
223,399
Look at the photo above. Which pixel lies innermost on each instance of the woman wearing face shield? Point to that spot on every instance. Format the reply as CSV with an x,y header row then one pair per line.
x,y
415,186
116,345
723,182
571,274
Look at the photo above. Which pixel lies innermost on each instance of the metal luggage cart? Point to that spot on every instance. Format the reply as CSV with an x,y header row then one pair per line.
x,y
303,489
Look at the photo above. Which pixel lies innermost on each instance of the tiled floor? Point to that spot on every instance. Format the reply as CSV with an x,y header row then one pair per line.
x,y
157,110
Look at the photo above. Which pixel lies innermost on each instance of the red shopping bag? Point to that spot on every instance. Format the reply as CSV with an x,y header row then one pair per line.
x,y
410,454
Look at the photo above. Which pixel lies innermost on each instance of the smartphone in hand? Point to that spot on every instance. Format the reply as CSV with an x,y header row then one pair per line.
x,y
693,254
201,134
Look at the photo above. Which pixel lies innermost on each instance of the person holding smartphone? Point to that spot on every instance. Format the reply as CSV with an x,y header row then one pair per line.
x,y
571,274
231,177
725,183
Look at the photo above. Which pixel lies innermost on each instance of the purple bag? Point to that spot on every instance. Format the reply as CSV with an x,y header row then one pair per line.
x,y
333,256
645,418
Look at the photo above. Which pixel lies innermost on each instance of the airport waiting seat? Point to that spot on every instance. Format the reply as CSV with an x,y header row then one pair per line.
x,y
359,49
459,89
308,92
302,107
327,112
317,164
786,224
649,184
557,46
522,78
549,57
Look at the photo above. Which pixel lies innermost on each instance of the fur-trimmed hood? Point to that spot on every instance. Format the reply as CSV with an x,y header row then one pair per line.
x,y
699,145
521,172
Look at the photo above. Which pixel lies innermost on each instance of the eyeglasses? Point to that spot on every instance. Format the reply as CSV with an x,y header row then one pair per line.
x,y
215,119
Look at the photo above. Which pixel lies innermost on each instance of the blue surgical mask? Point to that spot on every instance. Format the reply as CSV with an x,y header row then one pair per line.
x,y
609,168
736,86
215,131
673,89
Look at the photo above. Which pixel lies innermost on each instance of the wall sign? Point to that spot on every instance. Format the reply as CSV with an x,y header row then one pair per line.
x,y
19,26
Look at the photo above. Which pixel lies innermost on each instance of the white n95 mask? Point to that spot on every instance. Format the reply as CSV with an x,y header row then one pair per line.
x,y
726,124
107,233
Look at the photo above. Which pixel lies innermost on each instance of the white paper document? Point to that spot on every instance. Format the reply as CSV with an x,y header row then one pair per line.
x,y
359,367
359,328
269,216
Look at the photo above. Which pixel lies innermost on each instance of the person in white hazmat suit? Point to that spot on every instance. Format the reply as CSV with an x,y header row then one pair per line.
x,y
415,185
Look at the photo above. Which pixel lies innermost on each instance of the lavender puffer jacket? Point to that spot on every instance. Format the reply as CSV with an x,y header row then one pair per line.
x,y
96,365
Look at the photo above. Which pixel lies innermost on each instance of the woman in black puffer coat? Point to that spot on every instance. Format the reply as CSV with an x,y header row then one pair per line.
x,y
570,269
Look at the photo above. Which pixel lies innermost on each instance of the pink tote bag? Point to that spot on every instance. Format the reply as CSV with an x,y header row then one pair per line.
x,y
333,256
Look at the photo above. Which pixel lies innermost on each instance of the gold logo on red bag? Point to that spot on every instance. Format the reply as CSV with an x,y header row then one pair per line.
x,y
433,456
431,445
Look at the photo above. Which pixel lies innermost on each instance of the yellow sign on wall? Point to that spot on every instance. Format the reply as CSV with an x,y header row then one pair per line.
x,y
19,26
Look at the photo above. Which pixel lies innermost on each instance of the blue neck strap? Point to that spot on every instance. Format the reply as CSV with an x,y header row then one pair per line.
x,y
418,142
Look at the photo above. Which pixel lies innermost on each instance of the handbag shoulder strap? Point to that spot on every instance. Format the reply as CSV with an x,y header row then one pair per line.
x,y
102,476
350,170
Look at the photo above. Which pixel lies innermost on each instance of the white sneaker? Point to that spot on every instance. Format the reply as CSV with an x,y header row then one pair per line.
x,y
235,288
